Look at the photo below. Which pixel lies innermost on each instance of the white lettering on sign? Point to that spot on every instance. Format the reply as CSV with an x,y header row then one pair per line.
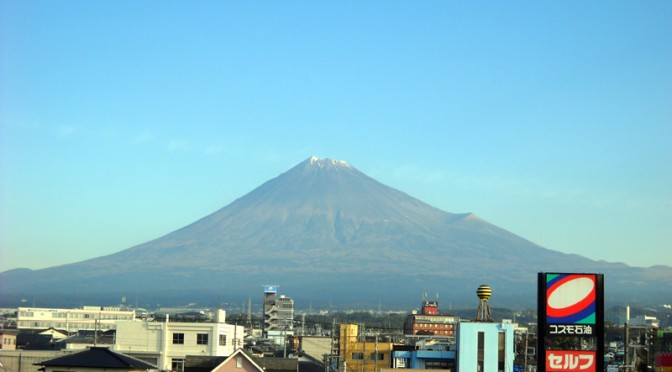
x,y
558,360
562,329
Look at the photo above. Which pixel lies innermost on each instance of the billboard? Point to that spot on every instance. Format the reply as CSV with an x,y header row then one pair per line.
x,y
570,309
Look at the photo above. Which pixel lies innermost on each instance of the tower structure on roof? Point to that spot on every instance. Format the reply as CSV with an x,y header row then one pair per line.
x,y
483,314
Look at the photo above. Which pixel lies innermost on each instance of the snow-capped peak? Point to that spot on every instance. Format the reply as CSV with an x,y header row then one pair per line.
x,y
325,162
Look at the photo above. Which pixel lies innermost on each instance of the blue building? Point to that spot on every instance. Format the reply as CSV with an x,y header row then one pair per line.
x,y
485,346
425,355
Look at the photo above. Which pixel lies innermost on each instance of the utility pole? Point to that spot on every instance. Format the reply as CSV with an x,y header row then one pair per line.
x,y
284,340
525,352
249,312
303,324
344,351
363,339
364,355
375,358
626,347
95,332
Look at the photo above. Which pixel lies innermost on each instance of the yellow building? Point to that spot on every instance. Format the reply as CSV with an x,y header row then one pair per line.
x,y
361,353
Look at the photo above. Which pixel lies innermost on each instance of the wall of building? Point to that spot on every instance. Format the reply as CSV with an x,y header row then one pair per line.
x,y
24,360
8,340
437,325
362,354
469,353
424,359
316,346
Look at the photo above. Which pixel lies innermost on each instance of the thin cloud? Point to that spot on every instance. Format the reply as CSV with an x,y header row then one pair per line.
x,y
509,185
175,145
213,150
143,137
65,130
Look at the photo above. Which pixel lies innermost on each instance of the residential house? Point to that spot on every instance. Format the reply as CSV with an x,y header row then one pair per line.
x,y
242,361
95,359
7,339
35,341
167,344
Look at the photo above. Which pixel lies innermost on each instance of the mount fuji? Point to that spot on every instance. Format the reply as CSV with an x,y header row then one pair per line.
x,y
327,233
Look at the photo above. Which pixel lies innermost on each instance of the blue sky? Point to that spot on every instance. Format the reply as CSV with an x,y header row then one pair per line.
x,y
121,121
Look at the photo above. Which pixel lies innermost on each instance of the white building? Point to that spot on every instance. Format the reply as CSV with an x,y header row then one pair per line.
x,y
166,344
72,320
645,321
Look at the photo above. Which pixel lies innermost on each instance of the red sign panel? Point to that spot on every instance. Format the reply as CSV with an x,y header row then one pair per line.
x,y
570,361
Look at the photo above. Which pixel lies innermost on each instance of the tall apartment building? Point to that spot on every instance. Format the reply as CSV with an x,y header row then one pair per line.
x,y
278,313
72,320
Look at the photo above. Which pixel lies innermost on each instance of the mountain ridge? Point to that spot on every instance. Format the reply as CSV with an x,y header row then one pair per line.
x,y
323,223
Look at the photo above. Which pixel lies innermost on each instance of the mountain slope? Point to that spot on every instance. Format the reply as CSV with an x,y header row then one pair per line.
x,y
323,224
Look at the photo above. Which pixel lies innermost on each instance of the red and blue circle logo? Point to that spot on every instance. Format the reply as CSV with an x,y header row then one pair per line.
x,y
570,298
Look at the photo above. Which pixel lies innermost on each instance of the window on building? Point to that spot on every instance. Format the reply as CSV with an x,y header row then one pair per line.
x,y
437,364
501,351
202,339
239,362
357,356
377,356
177,364
222,340
178,338
480,356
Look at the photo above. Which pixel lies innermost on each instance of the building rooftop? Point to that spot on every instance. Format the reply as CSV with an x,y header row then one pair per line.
x,y
98,357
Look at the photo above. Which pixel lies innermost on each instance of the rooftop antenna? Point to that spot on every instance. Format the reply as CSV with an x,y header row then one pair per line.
x,y
249,312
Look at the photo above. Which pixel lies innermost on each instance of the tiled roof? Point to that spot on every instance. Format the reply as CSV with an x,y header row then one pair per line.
x,y
97,357
278,364
202,363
